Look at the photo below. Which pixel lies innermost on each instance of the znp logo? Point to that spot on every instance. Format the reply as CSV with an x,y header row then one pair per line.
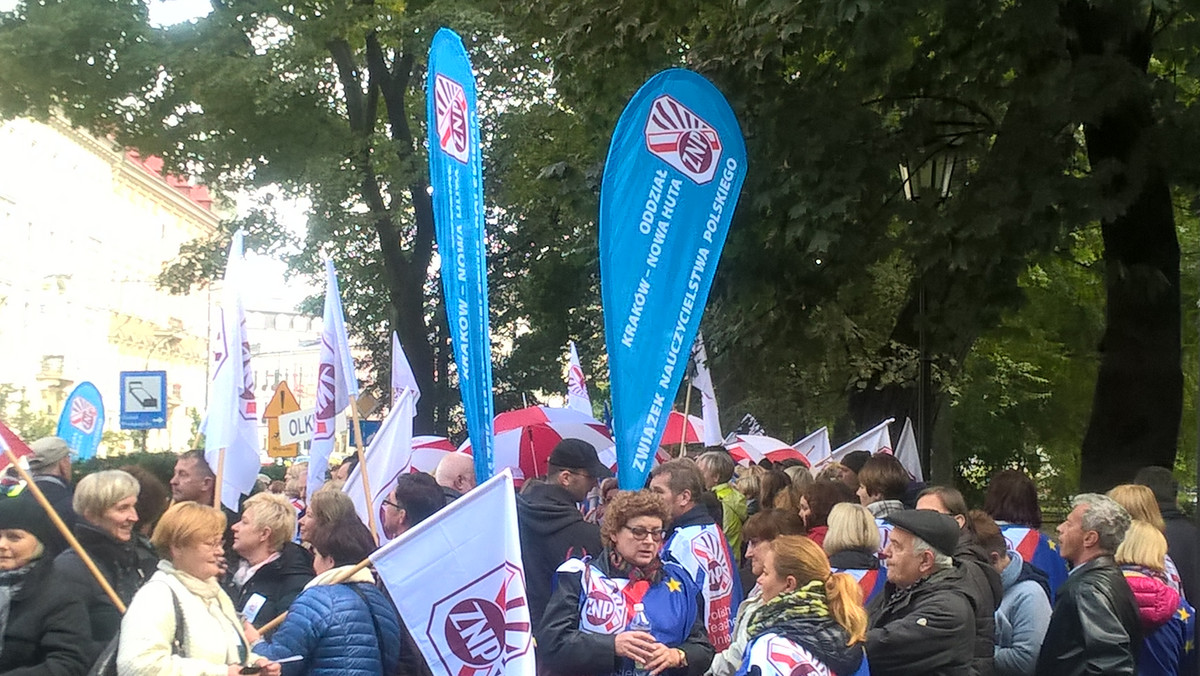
x,y
683,139
450,113
480,628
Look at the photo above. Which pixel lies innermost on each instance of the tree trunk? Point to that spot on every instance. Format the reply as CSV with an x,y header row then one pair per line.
x,y
1138,401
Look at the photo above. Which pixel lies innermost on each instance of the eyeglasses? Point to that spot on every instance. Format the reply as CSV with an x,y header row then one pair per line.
x,y
392,505
639,533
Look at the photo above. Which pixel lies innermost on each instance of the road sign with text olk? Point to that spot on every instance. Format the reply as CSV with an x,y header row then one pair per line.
x,y
282,402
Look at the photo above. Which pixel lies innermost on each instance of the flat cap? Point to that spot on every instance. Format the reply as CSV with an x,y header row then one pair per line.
x,y
941,531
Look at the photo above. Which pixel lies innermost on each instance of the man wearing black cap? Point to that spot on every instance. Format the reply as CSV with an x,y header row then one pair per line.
x,y
551,525
923,623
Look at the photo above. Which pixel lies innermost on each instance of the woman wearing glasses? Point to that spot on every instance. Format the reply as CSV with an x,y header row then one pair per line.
x,y
586,626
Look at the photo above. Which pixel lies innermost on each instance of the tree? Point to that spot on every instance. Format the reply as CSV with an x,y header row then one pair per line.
x,y
832,95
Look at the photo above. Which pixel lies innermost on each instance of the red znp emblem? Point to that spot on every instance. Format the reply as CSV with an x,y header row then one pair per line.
x,y
450,113
683,139
83,415
480,628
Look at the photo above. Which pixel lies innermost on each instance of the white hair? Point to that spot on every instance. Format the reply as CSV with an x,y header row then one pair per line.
x,y
940,560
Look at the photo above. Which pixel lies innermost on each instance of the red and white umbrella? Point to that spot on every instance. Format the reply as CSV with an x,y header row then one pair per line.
x,y
609,457
537,415
752,448
527,449
427,452
681,429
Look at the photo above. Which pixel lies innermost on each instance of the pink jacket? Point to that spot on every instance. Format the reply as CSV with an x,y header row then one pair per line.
x,y
1156,601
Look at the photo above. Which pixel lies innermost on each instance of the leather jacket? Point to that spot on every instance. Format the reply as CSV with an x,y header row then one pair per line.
x,y
1095,628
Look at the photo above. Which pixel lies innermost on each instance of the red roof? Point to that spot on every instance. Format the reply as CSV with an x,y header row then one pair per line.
x,y
153,165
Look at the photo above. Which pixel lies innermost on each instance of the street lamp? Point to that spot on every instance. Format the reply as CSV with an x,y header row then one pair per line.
x,y
928,176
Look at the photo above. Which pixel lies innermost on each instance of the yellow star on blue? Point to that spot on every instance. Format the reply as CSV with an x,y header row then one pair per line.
x,y
674,585
1189,646
1184,614
1052,545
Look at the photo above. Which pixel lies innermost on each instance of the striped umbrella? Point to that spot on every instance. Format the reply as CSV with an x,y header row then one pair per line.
x,y
747,449
527,449
680,429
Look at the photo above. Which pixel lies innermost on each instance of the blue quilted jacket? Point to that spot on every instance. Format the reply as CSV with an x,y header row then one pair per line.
x,y
332,629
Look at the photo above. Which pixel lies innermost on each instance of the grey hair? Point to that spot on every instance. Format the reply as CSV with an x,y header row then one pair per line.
x,y
940,560
1105,516
97,492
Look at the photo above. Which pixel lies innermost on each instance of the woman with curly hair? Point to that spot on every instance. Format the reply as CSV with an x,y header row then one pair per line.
x,y
584,629
810,616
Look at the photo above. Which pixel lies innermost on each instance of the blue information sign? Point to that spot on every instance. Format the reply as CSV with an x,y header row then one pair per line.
x,y
143,400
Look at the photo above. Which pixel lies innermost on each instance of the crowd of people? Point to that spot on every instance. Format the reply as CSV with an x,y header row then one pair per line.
x,y
711,568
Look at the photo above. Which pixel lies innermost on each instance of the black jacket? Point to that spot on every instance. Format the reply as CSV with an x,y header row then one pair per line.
x,y
985,591
1095,628
125,565
825,639
60,495
279,582
1183,541
552,531
926,629
47,633
567,650
854,559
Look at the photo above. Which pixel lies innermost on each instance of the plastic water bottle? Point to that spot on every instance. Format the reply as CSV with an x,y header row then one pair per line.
x,y
639,623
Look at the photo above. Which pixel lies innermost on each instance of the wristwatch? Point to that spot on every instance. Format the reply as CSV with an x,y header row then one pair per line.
x,y
682,657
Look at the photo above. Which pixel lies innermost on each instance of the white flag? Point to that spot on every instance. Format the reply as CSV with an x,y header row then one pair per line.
x,y
708,397
577,394
815,447
388,456
231,421
402,375
874,440
336,381
906,451
460,588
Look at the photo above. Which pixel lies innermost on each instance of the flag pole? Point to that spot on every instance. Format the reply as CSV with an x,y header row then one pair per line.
x,y
220,478
32,487
362,466
340,577
687,407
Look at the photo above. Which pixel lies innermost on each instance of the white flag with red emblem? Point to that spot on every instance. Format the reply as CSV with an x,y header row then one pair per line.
x,y
231,420
708,396
336,381
875,440
577,394
388,456
402,375
460,588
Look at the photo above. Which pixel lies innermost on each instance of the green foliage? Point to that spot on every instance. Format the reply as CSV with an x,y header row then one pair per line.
x,y
161,465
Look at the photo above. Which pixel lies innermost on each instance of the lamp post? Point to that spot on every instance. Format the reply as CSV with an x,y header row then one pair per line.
x,y
926,177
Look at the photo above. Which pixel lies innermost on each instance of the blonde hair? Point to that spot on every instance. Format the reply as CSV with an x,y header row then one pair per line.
x,y
274,512
748,481
801,479
851,527
185,524
1144,545
803,559
96,493
296,480
1141,504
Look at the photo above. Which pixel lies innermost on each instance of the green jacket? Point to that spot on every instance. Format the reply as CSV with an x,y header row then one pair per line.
x,y
734,504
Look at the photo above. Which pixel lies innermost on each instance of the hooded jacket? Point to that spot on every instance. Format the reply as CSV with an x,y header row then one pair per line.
x,y
1167,622
1095,628
985,590
552,530
126,566
1022,618
926,629
278,582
